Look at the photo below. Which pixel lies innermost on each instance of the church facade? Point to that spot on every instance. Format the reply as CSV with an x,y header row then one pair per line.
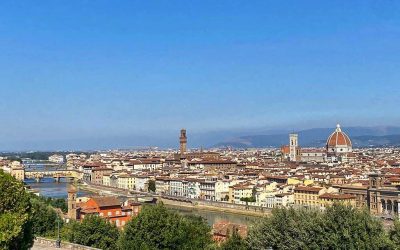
x,y
338,149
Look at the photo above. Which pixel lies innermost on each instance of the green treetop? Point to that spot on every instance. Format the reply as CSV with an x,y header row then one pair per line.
x,y
15,214
158,228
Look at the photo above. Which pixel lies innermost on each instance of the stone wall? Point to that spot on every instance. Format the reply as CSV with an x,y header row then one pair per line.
x,y
64,245
196,203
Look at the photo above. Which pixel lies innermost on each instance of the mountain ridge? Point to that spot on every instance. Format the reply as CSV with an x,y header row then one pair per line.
x,y
316,137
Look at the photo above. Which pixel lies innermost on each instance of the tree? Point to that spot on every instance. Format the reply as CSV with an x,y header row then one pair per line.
x,y
93,231
286,229
15,214
339,227
394,233
56,202
226,198
152,186
254,192
44,218
158,228
347,227
234,242
247,200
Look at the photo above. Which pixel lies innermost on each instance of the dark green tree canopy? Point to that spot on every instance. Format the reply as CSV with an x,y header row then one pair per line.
x,y
152,186
339,227
94,231
158,228
44,218
234,242
394,233
15,214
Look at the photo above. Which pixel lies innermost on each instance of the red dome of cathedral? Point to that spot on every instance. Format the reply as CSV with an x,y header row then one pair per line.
x,y
338,139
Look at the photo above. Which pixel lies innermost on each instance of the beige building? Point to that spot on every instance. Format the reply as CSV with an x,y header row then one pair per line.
x,y
162,185
327,199
241,191
106,180
98,173
126,181
222,190
18,173
307,196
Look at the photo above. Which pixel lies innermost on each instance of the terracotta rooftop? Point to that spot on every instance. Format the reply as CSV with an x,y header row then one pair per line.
x,y
106,201
308,189
337,196
224,228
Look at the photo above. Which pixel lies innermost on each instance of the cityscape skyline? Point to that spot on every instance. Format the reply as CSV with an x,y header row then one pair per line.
x,y
200,124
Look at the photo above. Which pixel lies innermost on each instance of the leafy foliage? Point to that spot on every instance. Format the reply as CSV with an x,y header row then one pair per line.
x,y
394,233
158,228
234,242
44,218
350,228
55,202
93,231
152,186
248,199
15,214
339,227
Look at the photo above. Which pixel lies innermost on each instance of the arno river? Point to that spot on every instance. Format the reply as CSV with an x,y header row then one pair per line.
x,y
49,188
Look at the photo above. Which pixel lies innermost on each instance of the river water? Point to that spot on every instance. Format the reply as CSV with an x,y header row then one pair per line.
x,y
49,188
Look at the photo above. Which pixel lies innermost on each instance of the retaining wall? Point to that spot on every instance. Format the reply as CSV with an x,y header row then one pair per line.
x,y
64,245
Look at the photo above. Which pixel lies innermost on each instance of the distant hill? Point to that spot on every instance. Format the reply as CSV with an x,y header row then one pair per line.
x,y
316,137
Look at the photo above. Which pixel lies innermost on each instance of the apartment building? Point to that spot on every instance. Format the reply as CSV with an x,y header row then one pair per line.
x,y
98,173
126,181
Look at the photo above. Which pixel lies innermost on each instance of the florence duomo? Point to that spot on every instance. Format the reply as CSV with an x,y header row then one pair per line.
x,y
338,149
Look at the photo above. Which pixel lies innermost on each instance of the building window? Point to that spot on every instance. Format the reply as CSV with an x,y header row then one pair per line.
x,y
109,213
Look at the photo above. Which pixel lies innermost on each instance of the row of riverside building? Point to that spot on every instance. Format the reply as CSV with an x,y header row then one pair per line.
x,y
362,177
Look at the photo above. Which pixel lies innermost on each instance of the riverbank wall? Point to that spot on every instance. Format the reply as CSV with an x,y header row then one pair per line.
x,y
50,243
218,206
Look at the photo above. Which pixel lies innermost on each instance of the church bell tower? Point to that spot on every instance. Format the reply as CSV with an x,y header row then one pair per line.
x,y
183,142
293,147
72,214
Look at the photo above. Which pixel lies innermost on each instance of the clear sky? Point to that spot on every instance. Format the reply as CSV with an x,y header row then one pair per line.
x,y
97,69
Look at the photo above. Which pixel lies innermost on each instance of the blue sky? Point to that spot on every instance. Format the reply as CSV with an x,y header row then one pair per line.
x,y
104,69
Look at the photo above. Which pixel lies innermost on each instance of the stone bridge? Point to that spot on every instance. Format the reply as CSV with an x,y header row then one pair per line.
x,y
56,174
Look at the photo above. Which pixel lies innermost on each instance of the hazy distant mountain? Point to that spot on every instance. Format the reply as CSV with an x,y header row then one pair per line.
x,y
316,137
238,138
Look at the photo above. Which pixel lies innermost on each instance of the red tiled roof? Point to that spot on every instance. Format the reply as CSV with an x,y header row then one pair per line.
x,y
308,189
337,196
106,201
338,138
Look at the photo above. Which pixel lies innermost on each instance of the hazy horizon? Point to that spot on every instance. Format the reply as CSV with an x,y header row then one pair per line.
x,y
169,139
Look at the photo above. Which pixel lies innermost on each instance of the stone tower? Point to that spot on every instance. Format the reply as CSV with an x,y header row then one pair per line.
x,y
374,194
183,142
294,143
375,180
72,214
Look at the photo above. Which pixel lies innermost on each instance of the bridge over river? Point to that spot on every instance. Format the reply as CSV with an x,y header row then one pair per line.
x,y
40,164
56,174
39,169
